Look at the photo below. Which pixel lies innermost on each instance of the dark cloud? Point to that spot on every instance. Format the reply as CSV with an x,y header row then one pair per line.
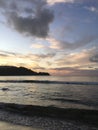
x,y
30,17
28,10
2,3
94,58
13,6
79,43
38,26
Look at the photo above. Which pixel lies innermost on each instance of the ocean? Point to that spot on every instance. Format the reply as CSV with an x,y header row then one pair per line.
x,y
48,103
61,92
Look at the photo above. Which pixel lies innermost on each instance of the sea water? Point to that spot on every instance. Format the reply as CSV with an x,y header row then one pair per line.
x,y
62,92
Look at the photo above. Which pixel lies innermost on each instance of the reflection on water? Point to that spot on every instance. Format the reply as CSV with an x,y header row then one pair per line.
x,y
51,78
59,95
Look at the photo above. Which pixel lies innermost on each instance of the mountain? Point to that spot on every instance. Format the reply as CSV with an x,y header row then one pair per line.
x,y
14,71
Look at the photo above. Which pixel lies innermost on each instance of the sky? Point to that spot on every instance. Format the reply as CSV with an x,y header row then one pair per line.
x,y
55,36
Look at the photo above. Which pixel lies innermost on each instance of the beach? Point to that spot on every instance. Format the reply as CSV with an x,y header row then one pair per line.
x,y
14,122
26,118
48,64
51,103
10,126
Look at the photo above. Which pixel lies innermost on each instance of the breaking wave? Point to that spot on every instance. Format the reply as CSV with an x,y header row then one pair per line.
x,y
48,82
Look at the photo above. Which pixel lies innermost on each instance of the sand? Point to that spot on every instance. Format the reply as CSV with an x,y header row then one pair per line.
x,y
13,121
28,117
10,126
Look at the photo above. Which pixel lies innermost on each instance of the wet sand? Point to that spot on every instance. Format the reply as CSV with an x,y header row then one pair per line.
x,y
12,121
10,126
28,117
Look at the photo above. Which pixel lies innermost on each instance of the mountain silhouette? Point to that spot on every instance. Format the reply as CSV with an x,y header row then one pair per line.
x,y
14,71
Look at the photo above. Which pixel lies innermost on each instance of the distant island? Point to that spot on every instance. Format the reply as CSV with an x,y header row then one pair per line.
x,y
19,71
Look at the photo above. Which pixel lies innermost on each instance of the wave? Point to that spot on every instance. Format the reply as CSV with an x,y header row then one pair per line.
x,y
84,115
49,82
75,101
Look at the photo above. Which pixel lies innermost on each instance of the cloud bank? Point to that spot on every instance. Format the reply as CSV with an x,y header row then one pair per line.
x,y
78,63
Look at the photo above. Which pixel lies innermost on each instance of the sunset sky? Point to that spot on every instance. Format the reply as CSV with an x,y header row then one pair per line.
x,y
55,36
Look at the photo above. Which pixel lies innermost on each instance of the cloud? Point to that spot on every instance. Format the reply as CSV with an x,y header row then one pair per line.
x,y
31,18
2,4
27,60
39,68
37,26
59,1
79,43
3,55
72,1
61,44
77,63
54,44
7,53
69,71
37,46
76,59
92,9
94,58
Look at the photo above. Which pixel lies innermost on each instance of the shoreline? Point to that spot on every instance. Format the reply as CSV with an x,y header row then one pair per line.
x,y
24,122
79,116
